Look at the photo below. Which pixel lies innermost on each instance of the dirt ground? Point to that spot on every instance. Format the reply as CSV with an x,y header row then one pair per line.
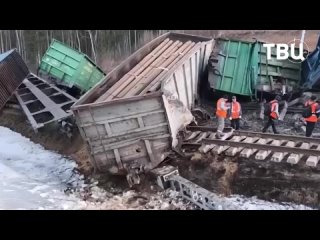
x,y
249,177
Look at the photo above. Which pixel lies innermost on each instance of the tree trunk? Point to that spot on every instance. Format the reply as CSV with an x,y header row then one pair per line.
x,y
6,39
48,40
9,33
135,39
1,41
18,41
129,41
23,45
78,38
92,46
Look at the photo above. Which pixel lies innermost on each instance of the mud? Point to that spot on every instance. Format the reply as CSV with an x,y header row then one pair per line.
x,y
248,177
280,181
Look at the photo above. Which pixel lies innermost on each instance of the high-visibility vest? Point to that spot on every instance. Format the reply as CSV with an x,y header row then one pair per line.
x,y
235,110
273,114
313,117
221,112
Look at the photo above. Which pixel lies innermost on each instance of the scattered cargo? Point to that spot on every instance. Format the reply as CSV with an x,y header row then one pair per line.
x,y
241,67
12,72
43,103
134,129
69,67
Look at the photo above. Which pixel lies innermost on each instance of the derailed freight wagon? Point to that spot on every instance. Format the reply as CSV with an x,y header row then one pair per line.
x,y
12,72
241,67
69,67
130,119
311,70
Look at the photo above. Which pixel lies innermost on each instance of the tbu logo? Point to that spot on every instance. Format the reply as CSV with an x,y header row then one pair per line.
x,y
282,51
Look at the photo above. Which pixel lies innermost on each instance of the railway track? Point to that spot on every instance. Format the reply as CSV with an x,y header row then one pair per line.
x,y
260,146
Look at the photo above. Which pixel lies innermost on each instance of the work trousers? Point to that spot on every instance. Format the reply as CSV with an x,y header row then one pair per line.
x,y
269,123
235,123
309,128
220,124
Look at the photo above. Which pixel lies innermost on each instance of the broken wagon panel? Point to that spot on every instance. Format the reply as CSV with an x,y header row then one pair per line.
x,y
42,102
12,72
180,88
131,129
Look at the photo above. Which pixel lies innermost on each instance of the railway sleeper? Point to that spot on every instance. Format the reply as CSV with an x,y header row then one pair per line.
x,y
295,158
312,161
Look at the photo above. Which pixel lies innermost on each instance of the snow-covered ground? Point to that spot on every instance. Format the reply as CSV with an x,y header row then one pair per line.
x,y
34,178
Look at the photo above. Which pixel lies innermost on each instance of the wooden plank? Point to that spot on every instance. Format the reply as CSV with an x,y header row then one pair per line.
x,y
154,85
137,69
162,68
160,59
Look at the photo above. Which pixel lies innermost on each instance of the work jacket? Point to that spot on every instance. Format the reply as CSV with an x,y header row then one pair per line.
x,y
221,108
314,109
235,111
274,109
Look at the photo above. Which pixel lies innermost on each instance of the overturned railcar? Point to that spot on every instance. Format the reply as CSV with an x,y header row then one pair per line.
x,y
129,120
12,72
242,68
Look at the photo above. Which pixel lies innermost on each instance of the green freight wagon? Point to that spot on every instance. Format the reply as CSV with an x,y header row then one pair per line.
x,y
69,67
242,68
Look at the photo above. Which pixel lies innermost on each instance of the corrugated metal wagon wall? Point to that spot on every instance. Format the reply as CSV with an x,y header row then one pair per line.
x,y
126,131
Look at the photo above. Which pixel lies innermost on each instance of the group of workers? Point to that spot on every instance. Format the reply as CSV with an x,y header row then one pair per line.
x,y
233,112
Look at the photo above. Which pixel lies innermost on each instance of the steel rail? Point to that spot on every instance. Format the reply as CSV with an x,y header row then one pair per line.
x,y
267,147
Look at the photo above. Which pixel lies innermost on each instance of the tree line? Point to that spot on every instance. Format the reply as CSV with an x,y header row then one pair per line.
x,y
97,44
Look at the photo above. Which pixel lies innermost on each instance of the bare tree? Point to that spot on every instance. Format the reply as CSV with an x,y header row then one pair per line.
x,y
23,44
78,38
9,34
1,41
18,40
48,38
92,45
135,39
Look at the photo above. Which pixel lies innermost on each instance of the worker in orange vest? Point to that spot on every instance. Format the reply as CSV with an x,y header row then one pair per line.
x,y
274,115
235,113
221,113
312,120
